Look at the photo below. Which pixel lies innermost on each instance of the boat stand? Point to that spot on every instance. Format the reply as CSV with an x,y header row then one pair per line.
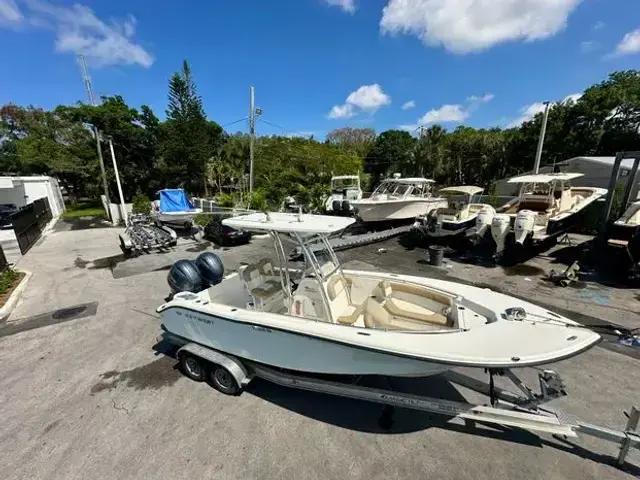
x,y
508,409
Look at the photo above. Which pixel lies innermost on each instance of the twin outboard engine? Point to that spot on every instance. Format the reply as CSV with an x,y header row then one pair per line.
x,y
500,226
484,220
525,221
194,276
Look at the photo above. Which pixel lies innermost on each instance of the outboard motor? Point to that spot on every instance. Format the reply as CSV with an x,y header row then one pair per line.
x,y
335,206
211,269
525,220
346,206
500,226
484,220
184,276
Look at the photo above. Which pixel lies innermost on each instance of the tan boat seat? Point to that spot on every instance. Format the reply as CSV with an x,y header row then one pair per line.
x,y
401,307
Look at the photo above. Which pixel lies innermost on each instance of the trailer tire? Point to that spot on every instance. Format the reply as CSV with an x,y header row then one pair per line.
x,y
192,366
223,381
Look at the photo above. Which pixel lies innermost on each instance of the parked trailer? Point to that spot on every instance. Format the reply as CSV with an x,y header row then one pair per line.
x,y
142,235
230,375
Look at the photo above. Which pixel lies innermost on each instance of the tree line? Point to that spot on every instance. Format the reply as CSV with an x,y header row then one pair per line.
x,y
189,150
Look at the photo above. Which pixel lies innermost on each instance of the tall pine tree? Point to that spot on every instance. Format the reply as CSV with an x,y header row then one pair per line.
x,y
188,140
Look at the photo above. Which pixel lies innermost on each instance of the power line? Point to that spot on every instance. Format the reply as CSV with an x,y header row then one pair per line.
x,y
234,122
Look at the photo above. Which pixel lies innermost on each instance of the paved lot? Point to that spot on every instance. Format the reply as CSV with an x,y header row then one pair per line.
x,y
89,397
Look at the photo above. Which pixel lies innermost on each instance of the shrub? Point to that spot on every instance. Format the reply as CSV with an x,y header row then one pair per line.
x,y
141,204
202,219
225,200
8,279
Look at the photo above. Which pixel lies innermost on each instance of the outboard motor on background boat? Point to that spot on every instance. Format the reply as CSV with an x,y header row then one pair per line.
x,y
184,276
525,220
346,206
211,269
335,206
484,220
500,226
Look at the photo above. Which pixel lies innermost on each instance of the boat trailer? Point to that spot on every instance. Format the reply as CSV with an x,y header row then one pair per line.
x,y
526,410
141,235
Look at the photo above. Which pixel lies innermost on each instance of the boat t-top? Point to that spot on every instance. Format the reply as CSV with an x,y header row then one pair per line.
x,y
316,317
546,207
462,216
399,199
344,190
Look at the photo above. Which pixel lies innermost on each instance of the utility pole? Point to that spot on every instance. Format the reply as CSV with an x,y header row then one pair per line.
x,y
252,134
543,131
87,86
123,210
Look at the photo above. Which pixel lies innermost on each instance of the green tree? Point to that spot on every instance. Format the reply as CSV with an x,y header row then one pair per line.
x,y
188,141
358,141
393,152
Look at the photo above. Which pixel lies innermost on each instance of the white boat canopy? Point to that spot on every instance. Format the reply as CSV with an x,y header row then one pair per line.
x,y
465,189
545,177
409,180
290,223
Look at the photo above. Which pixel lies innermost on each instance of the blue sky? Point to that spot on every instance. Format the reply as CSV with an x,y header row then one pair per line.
x,y
321,64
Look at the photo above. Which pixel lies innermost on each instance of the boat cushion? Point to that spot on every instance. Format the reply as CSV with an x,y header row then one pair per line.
x,y
402,308
350,314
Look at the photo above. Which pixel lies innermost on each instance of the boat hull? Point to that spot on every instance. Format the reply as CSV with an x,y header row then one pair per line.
x,y
447,229
393,210
290,350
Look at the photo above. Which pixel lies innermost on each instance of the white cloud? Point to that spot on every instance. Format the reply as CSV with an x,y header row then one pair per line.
x,y
487,97
409,105
629,44
348,6
588,46
341,111
526,114
9,13
463,26
444,114
598,25
79,31
574,97
367,98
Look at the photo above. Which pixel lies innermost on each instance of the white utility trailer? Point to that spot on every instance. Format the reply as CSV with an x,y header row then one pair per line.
x,y
230,375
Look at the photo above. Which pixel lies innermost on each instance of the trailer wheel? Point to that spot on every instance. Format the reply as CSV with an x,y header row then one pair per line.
x,y
192,367
223,381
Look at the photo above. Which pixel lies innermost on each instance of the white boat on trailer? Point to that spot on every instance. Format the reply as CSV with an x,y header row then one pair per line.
x,y
323,319
461,217
547,207
344,190
398,199
287,324
173,208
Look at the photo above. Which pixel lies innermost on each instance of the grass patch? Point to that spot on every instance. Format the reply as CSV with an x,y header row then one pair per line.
x,y
86,208
9,280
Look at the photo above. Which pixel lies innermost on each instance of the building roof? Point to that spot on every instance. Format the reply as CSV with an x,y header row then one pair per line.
x,y
545,177
289,222
626,163
466,189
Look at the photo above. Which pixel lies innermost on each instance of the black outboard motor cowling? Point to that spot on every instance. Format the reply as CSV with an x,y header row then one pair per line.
x,y
211,269
346,206
184,276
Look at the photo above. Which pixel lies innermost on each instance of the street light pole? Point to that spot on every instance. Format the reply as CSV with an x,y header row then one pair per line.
x,y
543,132
252,134
123,210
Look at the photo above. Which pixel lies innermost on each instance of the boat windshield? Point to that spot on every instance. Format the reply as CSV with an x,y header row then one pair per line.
x,y
537,188
393,189
340,184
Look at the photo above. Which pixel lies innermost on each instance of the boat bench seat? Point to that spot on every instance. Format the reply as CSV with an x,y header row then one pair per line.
x,y
342,311
397,301
260,280
537,203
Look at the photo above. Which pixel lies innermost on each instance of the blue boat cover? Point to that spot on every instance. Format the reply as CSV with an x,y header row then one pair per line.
x,y
175,200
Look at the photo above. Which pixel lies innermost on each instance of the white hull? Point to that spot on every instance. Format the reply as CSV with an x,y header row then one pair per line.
x,y
288,350
389,210
177,217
